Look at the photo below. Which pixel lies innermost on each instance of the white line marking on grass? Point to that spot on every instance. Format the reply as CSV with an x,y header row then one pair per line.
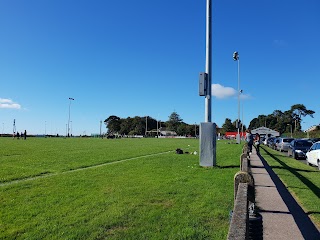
x,y
79,169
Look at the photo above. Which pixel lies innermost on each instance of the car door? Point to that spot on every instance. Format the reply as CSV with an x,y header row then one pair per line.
x,y
312,156
291,148
316,154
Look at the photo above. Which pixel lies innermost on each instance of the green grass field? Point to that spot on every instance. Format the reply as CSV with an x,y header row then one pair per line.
x,y
77,188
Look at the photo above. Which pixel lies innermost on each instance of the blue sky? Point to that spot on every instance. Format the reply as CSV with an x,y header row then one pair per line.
x,y
137,58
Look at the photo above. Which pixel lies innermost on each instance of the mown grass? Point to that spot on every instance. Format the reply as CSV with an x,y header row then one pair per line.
x,y
164,196
301,180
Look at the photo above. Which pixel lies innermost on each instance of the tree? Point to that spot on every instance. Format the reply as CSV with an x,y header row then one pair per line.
x,y
182,129
125,126
279,120
299,111
228,126
174,121
113,124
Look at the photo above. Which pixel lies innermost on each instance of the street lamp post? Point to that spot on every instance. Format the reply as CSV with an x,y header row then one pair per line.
x,y
207,131
100,128
146,126
242,120
236,58
290,129
70,99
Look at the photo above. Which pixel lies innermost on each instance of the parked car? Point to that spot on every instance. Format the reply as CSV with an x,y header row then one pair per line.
x,y
270,141
283,144
313,155
298,148
274,143
315,139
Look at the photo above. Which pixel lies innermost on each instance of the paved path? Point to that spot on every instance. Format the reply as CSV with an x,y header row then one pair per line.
x,y
283,218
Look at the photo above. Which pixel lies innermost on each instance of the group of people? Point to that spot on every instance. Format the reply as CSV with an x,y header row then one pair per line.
x,y
22,135
250,140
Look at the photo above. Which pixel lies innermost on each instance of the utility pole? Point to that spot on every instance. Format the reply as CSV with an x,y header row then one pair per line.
x,y
236,58
70,99
14,128
100,128
207,128
146,125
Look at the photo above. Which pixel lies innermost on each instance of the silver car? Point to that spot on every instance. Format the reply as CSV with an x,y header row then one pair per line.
x,y
283,144
313,155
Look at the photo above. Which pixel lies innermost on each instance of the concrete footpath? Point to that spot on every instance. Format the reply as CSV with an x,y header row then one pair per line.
x,y
283,218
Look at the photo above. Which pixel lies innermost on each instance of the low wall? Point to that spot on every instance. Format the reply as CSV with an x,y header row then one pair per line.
x,y
244,195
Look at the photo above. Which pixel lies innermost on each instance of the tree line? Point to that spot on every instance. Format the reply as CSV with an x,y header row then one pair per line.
x,y
148,126
280,121
287,121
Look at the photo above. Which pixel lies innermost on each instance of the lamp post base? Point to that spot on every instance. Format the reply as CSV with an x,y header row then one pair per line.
x,y
238,138
207,144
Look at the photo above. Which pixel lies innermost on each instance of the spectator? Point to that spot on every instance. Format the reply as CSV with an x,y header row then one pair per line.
x,y
249,140
257,142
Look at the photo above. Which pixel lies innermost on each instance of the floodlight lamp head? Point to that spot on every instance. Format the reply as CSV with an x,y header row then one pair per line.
x,y
235,56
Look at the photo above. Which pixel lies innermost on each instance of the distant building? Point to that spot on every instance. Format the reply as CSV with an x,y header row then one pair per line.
x,y
312,128
164,132
234,134
265,132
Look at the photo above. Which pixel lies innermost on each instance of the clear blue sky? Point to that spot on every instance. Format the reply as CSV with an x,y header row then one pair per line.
x,y
137,58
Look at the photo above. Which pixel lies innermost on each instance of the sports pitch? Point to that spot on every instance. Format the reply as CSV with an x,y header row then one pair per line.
x,y
77,188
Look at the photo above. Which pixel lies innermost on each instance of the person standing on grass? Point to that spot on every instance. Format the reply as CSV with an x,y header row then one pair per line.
x,y
25,134
249,140
257,142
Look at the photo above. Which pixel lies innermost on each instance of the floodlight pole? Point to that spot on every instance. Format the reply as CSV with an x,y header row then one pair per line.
x,y
238,137
70,99
290,128
208,129
208,63
100,128
236,58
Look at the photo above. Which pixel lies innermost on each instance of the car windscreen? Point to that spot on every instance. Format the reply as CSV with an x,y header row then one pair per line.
x,y
303,144
287,140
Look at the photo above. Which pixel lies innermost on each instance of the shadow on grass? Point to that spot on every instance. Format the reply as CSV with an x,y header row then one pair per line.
x,y
231,166
306,226
295,172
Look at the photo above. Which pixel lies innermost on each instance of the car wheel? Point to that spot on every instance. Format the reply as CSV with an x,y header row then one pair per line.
x,y
295,156
308,163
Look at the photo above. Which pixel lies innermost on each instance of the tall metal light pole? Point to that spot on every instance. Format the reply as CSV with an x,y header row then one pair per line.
x,y
146,126
207,128
236,58
100,128
290,128
70,99
208,63
242,120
